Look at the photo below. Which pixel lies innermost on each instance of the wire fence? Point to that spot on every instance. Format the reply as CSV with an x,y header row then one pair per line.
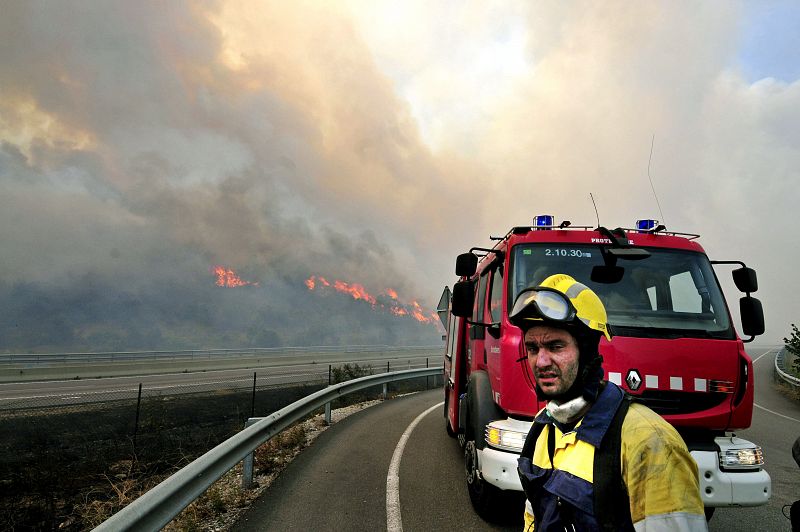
x,y
59,451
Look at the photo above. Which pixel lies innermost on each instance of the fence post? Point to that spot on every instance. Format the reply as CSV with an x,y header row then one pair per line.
x,y
136,424
386,384
253,400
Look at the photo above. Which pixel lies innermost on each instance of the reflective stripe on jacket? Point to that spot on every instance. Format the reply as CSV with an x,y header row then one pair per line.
x,y
659,473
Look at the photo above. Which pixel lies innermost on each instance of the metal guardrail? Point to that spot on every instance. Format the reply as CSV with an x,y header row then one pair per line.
x,y
133,356
779,364
157,507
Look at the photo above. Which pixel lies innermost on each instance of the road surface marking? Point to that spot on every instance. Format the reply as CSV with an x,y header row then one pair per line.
x,y
764,354
776,413
767,409
394,522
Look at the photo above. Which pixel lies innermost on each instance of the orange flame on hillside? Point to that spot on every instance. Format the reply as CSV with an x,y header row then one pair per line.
x,y
356,291
390,302
227,277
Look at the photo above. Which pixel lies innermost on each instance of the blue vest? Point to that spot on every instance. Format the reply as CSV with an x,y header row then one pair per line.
x,y
560,499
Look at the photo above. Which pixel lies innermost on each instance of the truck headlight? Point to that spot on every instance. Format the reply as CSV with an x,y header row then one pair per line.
x,y
504,438
745,458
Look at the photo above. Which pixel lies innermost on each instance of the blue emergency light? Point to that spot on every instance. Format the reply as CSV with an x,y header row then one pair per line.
x,y
543,220
645,226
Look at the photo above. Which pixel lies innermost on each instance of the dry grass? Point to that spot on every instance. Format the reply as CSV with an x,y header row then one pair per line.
x,y
127,482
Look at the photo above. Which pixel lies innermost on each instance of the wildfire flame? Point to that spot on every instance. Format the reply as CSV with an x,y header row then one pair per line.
x,y
227,277
390,302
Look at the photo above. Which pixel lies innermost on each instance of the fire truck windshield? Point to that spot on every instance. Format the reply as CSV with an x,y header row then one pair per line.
x,y
672,293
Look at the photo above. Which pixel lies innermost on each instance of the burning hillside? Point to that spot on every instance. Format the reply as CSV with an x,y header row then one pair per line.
x,y
387,300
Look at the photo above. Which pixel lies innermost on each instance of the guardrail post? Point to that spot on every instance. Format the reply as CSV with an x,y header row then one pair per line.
x,y
247,463
327,413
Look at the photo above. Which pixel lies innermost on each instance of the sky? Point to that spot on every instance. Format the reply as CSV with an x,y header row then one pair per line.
x,y
371,142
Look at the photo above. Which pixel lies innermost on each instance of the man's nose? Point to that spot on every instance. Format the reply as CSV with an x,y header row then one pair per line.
x,y
543,358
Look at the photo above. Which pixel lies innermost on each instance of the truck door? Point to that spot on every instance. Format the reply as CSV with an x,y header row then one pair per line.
x,y
454,371
493,315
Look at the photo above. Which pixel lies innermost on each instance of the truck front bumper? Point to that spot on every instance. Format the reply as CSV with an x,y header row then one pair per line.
x,y
499,468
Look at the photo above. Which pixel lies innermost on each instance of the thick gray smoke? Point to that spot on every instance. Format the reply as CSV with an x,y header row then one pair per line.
x,y
133,159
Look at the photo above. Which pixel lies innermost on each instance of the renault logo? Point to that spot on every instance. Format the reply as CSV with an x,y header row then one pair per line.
x,y
634,380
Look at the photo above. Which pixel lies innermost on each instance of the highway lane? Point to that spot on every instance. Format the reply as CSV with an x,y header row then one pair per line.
x,y
340,482
273,372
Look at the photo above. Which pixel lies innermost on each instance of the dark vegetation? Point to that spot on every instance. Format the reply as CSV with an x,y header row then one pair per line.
x,y
793,347
71,467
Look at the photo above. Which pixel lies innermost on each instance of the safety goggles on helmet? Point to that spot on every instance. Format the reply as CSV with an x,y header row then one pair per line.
x,y
542,303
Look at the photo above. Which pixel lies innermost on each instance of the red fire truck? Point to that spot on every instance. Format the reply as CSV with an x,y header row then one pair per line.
x,y
674,349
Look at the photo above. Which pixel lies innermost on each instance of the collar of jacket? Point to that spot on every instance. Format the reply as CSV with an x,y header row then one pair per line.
x,y
595,422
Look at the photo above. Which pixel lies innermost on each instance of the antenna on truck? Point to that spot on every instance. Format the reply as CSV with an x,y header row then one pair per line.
x,y
595,209
653,141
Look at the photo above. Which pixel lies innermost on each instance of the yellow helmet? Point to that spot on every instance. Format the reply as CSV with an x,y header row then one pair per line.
x,y
562,299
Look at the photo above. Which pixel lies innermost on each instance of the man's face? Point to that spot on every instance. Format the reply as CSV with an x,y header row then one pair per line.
x,y
553,357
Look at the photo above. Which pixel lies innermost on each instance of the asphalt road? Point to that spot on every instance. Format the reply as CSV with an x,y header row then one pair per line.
x,y
270,372
340,482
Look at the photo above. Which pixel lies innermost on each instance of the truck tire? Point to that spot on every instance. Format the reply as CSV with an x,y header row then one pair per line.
x,y
486,499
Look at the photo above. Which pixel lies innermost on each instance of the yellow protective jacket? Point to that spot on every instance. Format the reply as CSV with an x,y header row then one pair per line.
x,y
658,472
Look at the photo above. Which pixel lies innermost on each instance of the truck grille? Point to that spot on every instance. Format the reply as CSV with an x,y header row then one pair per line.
x,y
675,402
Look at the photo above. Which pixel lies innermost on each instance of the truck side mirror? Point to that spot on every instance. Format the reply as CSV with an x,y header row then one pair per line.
x,y
466,264
745,279
463,299
752,316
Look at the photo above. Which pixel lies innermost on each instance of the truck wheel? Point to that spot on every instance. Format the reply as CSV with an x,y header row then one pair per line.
x,y
484,496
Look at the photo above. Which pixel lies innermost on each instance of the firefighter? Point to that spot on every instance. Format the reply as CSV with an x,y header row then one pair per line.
x,y
593,460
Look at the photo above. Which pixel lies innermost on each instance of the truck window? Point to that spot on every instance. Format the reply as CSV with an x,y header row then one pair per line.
x,y
685,297
478,332
671,293
451,346
496,295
